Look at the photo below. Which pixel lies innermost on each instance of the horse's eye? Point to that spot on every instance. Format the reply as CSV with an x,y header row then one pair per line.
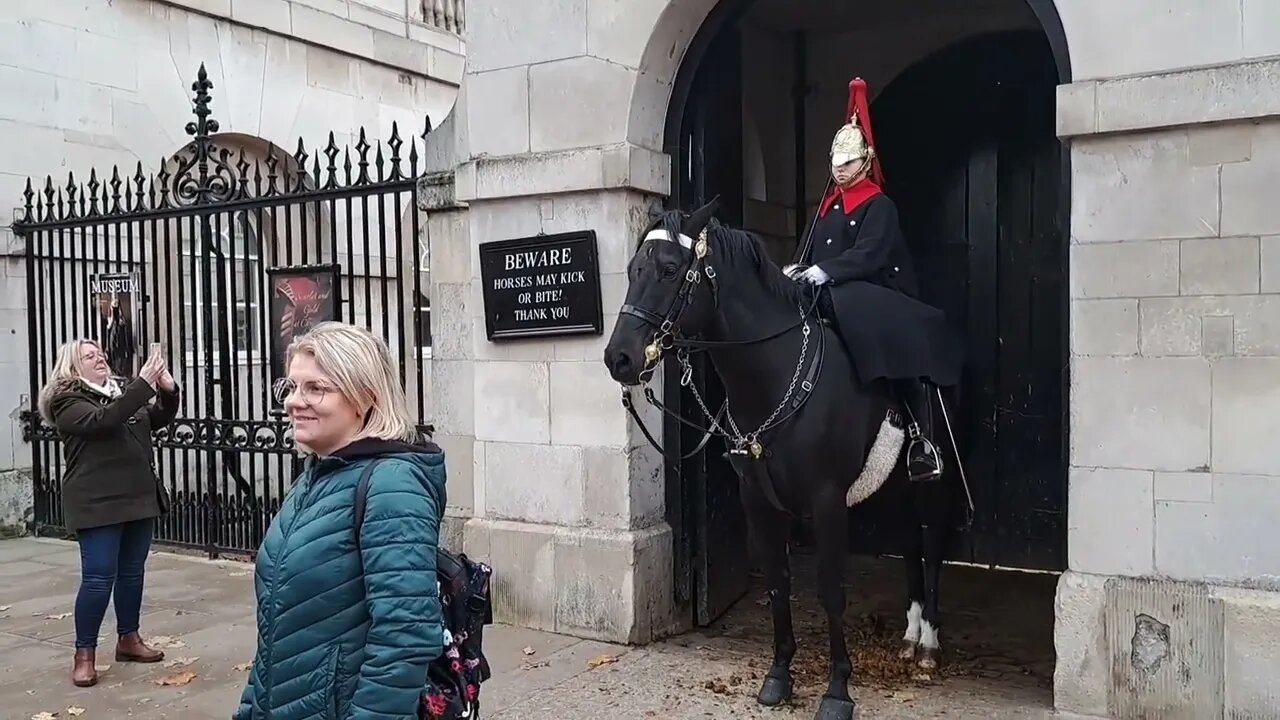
x,y
669,271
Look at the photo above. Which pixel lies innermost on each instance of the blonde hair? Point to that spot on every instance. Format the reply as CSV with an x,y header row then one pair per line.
x,y
65,375
360,365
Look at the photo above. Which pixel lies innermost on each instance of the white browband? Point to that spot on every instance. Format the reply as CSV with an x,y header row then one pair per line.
x,y
660,234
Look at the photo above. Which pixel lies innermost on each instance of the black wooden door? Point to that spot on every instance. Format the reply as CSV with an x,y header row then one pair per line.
x,y
970,156
712,528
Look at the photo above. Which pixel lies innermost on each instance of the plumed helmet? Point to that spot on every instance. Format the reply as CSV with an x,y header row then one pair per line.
x,y
853,141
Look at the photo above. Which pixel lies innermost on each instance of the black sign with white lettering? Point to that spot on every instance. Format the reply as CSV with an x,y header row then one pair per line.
x,y
542,286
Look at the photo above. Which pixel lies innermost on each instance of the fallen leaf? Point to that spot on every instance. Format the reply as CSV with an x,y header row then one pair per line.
x,y
535,665
243,667
241,574
45,716
529,651
599,660
102,668
180,678
59,616
166,642
176,662
3,608
73,711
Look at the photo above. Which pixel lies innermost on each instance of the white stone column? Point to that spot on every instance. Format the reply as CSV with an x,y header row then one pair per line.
x,y
1171,598
568,497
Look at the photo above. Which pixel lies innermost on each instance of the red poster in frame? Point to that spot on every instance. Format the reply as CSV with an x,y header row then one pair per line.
x,y
301,298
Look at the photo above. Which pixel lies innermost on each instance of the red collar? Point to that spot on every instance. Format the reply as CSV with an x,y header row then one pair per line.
x,y
853,196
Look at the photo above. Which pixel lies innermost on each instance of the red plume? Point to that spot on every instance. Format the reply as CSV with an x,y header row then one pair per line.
x,y
858,106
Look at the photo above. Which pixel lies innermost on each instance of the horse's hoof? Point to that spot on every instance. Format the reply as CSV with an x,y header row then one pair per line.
x,y
908,651
775,690
930,658
835,709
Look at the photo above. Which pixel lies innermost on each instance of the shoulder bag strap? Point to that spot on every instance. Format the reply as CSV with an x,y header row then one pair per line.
x,y
362,496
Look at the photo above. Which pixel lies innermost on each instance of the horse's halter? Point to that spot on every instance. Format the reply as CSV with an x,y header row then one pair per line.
x,y
667,333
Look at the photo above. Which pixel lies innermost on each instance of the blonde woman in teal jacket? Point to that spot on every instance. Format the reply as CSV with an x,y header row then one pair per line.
x,y
347,634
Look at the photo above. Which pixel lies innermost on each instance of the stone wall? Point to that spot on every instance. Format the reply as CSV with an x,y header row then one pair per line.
x,y
91,84
1175,325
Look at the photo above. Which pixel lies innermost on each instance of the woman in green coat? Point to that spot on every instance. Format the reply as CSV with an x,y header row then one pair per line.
x,y
109,488
347,633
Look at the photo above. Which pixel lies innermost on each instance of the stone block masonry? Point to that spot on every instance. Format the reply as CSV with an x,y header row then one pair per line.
x,y
547,481
1175,479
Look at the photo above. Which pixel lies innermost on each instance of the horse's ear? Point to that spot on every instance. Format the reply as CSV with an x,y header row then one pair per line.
x,y
699,218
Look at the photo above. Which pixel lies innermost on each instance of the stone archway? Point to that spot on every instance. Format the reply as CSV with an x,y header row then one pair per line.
x,y
680,35
687,35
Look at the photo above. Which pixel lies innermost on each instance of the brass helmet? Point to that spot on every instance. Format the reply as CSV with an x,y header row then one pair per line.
x,y
849,144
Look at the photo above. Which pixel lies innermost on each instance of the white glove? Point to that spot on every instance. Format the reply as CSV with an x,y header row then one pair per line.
x,y
790,270
815,276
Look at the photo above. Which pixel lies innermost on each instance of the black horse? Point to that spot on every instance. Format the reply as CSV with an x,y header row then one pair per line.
x,y
800,426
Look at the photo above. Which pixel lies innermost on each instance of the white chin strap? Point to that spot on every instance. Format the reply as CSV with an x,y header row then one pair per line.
x,y
660,234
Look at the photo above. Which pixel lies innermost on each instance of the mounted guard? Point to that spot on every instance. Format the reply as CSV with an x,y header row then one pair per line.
x,y
855,251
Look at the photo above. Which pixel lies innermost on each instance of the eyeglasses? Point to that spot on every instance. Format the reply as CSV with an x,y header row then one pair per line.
x,y
92,356
311,392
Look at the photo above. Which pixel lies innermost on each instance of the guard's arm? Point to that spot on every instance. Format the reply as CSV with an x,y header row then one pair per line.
x,y
871,252
73,415
398,542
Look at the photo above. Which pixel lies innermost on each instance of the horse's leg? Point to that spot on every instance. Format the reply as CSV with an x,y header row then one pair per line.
x,y
913,557
770,530
935,536
830,523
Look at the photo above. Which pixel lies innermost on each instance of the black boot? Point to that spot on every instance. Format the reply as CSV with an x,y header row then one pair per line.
x,y
924,461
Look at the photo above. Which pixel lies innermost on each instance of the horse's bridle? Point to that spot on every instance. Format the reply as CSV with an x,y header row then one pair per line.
x,y
665,336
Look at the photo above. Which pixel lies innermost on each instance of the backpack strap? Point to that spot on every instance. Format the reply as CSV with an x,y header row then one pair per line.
x,y
362,497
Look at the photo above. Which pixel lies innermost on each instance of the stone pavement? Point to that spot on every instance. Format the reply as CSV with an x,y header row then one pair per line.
x,y
202,611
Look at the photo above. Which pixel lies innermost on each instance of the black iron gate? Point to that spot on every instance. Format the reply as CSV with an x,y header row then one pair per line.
x,y
198,256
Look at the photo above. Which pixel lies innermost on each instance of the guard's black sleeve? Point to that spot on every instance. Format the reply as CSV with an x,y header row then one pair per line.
x,y
871,250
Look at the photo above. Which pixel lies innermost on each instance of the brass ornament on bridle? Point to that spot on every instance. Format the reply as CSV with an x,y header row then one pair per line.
x,y
663,339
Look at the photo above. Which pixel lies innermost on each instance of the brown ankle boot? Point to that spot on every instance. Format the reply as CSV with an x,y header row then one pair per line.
x,y
83,673
131,648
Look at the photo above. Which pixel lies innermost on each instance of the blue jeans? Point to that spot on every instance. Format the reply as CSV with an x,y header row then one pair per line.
x,y
111,557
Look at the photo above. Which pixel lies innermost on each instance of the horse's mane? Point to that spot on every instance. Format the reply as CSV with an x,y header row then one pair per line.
x,y
742,249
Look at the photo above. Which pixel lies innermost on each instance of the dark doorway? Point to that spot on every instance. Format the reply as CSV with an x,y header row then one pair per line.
x,y
966,136
970,156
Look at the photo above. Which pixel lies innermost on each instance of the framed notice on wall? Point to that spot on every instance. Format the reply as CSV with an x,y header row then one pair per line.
x,y
301,297
541,286
117,304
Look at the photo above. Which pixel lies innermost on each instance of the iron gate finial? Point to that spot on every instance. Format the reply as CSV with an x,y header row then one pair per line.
x,y
204,174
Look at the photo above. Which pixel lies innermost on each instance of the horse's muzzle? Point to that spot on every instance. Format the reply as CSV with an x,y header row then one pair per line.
x,y
624,367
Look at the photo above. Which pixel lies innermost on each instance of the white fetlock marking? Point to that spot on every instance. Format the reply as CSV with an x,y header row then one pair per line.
x,y
928,635
914,615
880,463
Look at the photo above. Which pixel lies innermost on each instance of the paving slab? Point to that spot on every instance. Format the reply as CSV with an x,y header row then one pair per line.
x,y
203,612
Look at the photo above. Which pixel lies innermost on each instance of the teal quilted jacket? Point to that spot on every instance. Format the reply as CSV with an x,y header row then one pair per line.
x,y
335,643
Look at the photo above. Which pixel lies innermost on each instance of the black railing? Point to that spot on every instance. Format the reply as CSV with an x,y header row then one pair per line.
x,y
182,257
